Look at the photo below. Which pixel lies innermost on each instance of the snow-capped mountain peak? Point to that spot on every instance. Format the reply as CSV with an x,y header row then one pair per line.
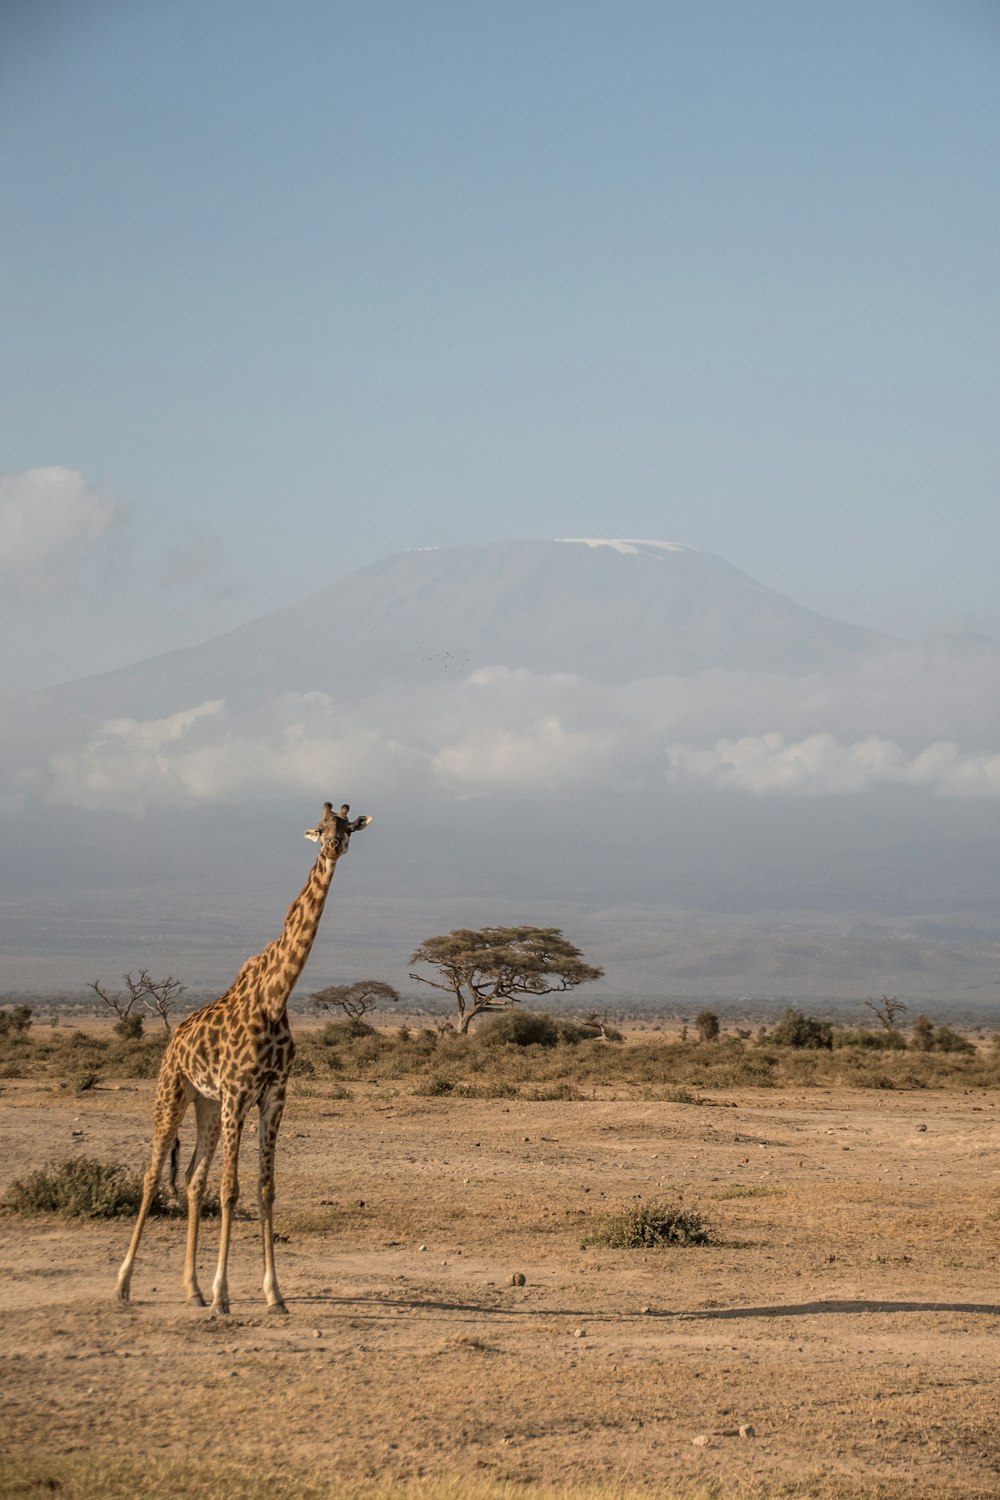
x,y
629,546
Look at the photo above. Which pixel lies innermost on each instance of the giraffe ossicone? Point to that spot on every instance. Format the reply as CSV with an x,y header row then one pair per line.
x,y
227,1057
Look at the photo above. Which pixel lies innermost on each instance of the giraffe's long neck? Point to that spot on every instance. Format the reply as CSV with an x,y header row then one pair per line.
x,y
282,961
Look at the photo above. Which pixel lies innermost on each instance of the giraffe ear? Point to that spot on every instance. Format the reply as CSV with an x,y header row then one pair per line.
x,y
361,822
312,833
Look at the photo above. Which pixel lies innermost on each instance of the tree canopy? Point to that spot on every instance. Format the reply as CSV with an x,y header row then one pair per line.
x,y
493,967
355,1000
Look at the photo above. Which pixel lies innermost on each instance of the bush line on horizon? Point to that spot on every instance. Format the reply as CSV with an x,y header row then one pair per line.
x,y
529,1056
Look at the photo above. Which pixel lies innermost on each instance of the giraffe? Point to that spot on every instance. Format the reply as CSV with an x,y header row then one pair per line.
x,y
230,1055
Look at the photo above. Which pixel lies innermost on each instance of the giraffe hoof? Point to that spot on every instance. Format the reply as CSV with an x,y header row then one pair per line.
x,y
219,1310
278,1307
196,1299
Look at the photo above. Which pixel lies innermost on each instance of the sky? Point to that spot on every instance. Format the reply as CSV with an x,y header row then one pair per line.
x,y
285,289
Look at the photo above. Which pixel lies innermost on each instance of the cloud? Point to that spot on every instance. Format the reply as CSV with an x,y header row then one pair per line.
x,y
49,520
505,733
208,754
821,765
546,757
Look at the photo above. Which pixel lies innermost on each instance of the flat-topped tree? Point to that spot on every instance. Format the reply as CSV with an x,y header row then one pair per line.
x,y
229,1056
493,968
355,1000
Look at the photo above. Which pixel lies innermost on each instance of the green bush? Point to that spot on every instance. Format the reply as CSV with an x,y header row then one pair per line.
x,y
434,1088
79,1188
946,1040
16,1021
646,1225
129,1028
795,1029
707,1025
345,1031
517,1028
871,1041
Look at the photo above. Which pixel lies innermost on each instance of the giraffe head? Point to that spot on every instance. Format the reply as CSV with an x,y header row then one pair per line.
x,y
333,831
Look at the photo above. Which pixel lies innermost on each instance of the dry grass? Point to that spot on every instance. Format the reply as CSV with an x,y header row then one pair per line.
x,y
569,1066
845,1307
86,1478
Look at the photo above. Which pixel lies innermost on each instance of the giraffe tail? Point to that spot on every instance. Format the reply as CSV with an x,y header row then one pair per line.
x,y
175,1153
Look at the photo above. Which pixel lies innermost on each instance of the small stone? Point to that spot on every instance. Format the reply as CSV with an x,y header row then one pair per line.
x,y
702,1440
518,1279
579,1333
360,1203
317,1333
422,1247
746,1431
921,1127
76,1132
646,1310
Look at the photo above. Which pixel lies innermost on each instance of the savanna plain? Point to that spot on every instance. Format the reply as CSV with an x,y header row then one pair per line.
x,y
459,1324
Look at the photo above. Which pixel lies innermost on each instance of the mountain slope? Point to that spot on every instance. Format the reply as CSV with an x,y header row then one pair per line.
x,y
611,611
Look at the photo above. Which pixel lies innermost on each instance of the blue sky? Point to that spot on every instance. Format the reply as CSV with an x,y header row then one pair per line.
x,y
291,287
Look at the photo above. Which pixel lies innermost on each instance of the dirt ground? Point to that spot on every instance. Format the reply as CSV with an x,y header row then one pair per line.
x,y
847,1317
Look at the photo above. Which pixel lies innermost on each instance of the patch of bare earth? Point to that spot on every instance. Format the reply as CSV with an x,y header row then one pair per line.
x,y
846,1318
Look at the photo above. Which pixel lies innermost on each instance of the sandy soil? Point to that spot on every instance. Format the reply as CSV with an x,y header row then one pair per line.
x,y
849,1313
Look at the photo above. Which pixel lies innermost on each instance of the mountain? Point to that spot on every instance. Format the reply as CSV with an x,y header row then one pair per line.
x,y
607,610
711,787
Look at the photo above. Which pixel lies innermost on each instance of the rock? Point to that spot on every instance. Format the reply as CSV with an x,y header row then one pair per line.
x,y
422,1247
579,1333
518,1279
317,1333
746,1431
702,1440
646,1310
921,1127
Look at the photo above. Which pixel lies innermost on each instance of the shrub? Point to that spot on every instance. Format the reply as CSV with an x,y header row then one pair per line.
x,y
16,1021
129,1027
346,1031
872,1041
88,1079
644,1226
926,1037
518,1028
946,1040
707,1025
922,1034
795,1029
80,1188
434,1088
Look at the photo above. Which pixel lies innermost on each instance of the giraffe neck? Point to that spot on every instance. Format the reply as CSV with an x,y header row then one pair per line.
x,y
282,961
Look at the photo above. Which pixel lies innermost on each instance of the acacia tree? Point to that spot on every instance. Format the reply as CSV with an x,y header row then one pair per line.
x,y
492,968
355,1000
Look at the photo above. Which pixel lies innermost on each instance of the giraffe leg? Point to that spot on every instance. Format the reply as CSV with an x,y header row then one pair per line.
x,y
208,1116
272,1105
168,1112
232,1129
